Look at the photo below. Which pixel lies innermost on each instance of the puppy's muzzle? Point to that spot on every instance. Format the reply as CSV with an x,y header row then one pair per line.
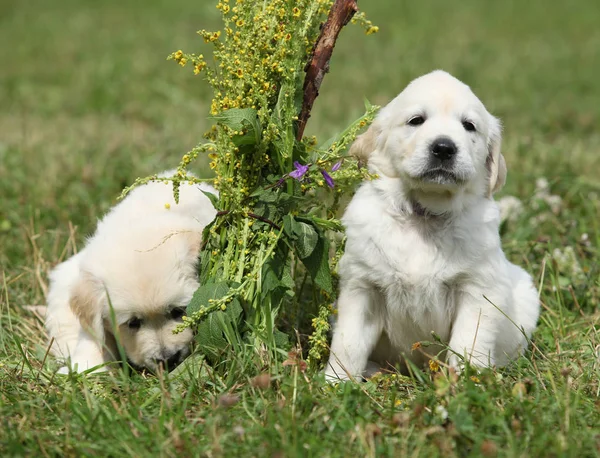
x,y
443,149
170,362
440,166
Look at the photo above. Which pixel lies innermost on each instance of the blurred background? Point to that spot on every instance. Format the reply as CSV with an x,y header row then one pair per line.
x,y
88,101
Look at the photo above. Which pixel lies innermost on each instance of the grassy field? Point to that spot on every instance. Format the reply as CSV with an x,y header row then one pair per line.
x,y
88,103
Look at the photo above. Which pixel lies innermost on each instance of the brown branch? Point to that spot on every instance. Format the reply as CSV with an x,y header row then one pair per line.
x,y
340,14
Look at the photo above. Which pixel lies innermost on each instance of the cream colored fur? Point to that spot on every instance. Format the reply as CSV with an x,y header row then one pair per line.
x,y
139,266
423,252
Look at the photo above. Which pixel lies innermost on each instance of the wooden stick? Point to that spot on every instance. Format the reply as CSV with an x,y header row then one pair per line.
x,y
318,65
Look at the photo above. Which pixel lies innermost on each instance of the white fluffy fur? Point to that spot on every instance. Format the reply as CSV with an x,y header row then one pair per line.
x,y
141,262
423,252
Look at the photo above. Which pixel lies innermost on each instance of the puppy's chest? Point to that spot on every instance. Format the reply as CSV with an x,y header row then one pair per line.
x,y
417,270
413,255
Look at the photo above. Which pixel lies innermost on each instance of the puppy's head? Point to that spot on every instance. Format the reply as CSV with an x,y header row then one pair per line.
x,y
436,136
147,275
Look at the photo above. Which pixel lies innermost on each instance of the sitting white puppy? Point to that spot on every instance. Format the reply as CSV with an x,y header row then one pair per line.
x,y
423,251
139,269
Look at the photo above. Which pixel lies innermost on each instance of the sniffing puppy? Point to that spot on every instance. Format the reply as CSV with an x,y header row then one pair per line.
x,y
134,278
423,251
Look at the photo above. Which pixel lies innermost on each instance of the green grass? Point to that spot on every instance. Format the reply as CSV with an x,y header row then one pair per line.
x,y
88,103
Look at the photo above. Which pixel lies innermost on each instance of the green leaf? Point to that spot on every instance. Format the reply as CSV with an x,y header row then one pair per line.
x,y
204,293
317,264
281,339
289,226
214,200
210,337
212,331
273,271
241,119
306,239
274,203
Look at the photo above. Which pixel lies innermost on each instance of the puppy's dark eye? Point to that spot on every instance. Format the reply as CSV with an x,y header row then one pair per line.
x,y
416,121
177,313
469,126
134,323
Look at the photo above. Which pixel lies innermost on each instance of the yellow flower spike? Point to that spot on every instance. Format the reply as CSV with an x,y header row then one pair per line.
x,y
199,67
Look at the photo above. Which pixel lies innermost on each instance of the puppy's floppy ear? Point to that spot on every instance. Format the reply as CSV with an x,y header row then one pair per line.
x,y
495,162
86,300
366,143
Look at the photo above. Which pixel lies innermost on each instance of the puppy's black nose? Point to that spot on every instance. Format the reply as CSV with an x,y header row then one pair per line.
x,y
443,148
171,362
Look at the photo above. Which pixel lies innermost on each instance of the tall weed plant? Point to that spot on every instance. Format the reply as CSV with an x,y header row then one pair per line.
x,y
267,259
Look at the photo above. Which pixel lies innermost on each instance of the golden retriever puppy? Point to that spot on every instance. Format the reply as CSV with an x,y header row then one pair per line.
x,y
423,252
131,282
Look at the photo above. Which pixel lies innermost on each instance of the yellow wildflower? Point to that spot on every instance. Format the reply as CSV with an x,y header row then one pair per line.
x,y
433,365
372,29
167,206
199,67
296,12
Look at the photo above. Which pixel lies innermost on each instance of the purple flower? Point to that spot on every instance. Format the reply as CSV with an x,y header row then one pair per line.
x,y
328,179
299,170
336,166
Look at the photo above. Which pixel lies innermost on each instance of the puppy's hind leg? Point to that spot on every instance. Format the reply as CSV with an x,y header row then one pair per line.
x,y
525,297
356,333
524,315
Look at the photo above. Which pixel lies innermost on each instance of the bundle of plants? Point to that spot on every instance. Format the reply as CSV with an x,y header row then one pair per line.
x,y
265,261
